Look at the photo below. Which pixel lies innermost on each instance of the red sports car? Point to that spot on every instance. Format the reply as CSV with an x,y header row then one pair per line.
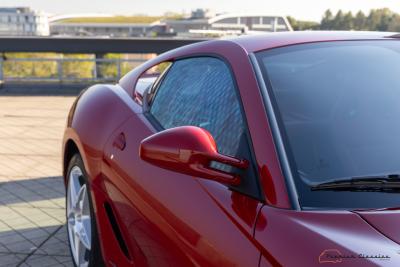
x,y
270,150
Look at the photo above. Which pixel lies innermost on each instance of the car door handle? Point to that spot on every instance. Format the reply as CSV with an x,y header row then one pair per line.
x,y
120,142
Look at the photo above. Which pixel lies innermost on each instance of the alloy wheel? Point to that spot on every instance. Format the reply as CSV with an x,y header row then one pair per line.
x,y
79,221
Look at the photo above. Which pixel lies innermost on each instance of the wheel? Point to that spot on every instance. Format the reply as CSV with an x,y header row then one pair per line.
x,y
81,224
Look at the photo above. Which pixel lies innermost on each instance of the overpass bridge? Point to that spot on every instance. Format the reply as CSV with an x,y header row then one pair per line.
x,y
64,68
90,45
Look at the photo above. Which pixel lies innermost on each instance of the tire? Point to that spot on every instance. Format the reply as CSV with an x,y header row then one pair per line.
x,y
81,221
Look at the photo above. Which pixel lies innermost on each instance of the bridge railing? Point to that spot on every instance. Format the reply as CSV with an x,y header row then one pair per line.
x,y
65,70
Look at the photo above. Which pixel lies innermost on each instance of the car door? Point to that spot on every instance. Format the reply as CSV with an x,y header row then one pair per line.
x,y
168,218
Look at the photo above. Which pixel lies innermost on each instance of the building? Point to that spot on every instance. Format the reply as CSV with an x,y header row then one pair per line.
x,y
100,29
227,24
201,23
23,21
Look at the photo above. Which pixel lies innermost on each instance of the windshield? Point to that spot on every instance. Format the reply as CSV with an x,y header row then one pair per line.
x,y
338,107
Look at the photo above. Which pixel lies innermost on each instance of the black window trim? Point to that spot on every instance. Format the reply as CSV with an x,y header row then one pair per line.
x,y
154,88
279,140
260,196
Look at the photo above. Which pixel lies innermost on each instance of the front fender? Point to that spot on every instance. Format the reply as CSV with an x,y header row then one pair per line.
x,y
95,115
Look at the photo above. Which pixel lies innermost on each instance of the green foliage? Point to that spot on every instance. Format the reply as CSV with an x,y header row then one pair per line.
x,y
78,69
21,69
109,70
121,19
74,66
377,20
299,25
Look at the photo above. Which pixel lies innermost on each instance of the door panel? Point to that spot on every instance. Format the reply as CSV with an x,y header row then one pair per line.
x,y
171,219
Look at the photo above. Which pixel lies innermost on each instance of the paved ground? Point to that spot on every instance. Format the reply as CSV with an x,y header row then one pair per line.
x,y
32,231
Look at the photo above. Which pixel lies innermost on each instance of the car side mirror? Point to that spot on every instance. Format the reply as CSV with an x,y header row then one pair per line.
x,y
143,85
189,150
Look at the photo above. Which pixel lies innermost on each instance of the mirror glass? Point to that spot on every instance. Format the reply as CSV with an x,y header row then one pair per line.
x,y
149,77
144,83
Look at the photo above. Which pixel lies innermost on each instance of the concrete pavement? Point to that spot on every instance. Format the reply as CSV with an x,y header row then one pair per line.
x,y
32,208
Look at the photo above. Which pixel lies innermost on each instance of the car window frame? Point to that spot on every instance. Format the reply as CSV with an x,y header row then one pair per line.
x,y
286,156
260,195
148,95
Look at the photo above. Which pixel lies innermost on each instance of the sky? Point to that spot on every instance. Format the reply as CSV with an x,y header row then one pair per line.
x,y
300,9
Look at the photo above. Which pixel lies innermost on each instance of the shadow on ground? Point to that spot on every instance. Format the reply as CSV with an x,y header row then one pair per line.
x,y
47,246
32,223
46,191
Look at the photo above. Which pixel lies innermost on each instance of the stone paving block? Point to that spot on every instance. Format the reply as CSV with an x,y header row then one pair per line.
x,y
33,233
65,261
32,194
42,260
9,259
23,247
54,247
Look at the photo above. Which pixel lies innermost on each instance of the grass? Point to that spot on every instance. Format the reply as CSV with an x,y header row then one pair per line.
x,y
118,19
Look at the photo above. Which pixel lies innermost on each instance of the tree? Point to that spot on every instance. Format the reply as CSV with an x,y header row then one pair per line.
x,y
394,25
347,22
326,22
338,21
377,20
359,21
386,16
299,25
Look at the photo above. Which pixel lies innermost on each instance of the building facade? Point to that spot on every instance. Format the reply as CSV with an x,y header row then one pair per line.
x,y
228,24
156,29
201,23
23,21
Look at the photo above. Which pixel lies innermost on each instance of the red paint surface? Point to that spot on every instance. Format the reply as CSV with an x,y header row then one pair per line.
x,y
304,238
171,218
189,150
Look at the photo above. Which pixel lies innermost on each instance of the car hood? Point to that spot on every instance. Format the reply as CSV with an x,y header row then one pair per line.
x,y
386,221
309,238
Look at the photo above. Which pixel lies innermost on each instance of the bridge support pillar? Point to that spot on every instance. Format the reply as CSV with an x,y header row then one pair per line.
x,y
98,70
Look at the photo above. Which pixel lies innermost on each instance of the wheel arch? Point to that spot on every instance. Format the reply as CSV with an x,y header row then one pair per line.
x,y
69,151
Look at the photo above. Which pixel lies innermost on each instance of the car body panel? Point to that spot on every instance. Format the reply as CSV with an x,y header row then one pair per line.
x,y
167,218
188,218
96,113
250,44
261,136
309,235
93,117
385,221
263,42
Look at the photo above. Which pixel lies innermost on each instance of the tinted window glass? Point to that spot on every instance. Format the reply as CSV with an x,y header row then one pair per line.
x,y
228,21
201,92
281,22
339,107
268,20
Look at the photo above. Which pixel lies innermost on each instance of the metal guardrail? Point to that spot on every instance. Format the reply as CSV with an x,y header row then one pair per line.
x,y
65,70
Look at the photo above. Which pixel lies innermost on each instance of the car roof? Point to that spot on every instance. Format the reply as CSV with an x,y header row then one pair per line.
x,y
254,43
250,44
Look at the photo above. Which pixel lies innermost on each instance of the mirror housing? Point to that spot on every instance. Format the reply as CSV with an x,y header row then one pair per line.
x,y
189,150
142,85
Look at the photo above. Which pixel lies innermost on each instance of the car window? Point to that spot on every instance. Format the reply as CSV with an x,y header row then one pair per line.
x,y
338,107
149,77
201,92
